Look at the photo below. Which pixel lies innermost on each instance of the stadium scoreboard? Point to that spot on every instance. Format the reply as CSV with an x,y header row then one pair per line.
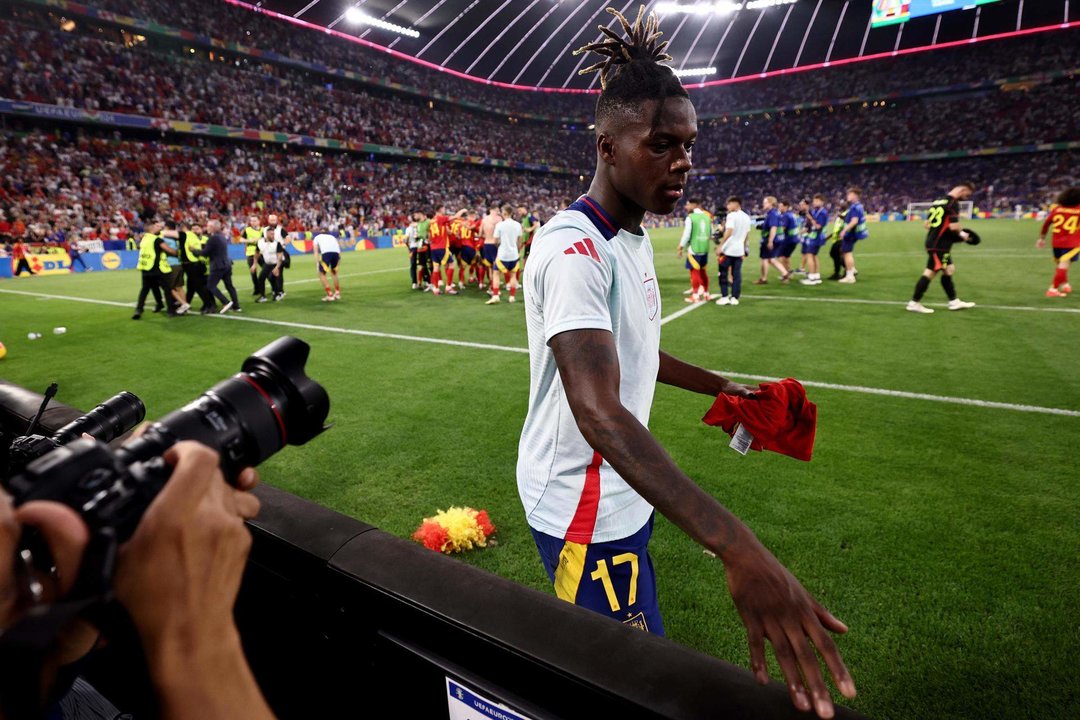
x,y
889,12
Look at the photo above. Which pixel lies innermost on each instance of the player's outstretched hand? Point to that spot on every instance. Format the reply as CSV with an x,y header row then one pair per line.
x,y
1041,243
775,606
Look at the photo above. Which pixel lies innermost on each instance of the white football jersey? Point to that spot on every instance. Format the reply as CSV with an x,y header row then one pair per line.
x,y
585,273
327,243
739,223
508,233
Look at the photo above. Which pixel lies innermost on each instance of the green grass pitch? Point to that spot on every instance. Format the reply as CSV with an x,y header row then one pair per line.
x,y
946,535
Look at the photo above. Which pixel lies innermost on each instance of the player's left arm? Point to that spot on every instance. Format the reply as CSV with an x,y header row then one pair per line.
x,y
1045,229
681,374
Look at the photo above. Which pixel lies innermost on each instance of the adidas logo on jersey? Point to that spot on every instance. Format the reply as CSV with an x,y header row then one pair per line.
x,y
584,246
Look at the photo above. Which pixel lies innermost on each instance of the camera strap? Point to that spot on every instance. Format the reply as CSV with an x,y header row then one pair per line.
x,y
26,645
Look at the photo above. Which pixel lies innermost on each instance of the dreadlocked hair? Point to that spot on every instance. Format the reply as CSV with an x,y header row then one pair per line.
x,y
631,70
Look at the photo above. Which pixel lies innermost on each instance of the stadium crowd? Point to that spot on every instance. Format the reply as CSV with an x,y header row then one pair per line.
x,y
979,63
95,74
74,70
101,186
1002,182
243,26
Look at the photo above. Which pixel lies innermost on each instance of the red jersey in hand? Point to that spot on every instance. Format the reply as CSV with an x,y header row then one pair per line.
x,y
779,417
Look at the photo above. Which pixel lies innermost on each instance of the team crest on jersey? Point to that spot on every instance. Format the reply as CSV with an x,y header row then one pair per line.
x,y
652,299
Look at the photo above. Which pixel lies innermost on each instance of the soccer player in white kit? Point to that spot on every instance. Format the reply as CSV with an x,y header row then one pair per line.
x,y
327,257
589,471
508,234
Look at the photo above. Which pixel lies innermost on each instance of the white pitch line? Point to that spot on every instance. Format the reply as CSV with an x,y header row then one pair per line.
x,y
915,396
524,351
679,313
45,296
902,303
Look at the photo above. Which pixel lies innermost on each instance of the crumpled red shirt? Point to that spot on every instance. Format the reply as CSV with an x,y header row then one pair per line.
x,y
780,418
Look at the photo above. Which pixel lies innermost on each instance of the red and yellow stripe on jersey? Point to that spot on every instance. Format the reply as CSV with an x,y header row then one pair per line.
x,y
1065,223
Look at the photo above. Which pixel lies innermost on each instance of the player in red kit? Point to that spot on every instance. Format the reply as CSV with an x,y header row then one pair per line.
x,y
441,255
1064,219
461,233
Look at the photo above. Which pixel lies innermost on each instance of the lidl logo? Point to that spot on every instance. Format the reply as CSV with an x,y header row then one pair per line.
x,y
110,261
51,264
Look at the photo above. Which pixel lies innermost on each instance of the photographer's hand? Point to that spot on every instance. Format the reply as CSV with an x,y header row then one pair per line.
x,y
66,536
178,577
64,533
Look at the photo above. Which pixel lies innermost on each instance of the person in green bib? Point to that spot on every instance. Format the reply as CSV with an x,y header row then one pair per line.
x,y
697,234
154,264
423,251
251,236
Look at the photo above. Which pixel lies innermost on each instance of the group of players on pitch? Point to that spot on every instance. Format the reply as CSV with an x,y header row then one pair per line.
x,y
488,252
786,228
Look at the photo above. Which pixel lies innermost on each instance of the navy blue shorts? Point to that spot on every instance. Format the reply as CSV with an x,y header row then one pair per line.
x,y
701,260
442,256
848,245
506,266
466,254
1061,252
614,578
812,247
787,248
488,253
765,254
329,262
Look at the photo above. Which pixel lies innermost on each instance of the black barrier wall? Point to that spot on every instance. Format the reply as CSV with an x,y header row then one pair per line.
x,y
341,620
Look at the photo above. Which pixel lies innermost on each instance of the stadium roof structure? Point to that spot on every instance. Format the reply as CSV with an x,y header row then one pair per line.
x,y
527,44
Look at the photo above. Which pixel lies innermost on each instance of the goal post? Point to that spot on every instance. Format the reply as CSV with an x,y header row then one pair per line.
x,y
917,211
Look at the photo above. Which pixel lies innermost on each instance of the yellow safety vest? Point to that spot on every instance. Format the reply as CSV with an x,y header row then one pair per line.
x,y
193,243
251,240
147,251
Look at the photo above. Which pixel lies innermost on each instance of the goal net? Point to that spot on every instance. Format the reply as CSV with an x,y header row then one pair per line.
x,y
917,211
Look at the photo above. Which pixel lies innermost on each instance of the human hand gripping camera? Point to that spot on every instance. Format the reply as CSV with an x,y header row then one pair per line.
x,y
156,526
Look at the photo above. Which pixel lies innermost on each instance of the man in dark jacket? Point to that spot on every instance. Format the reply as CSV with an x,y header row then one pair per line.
x,y
216,250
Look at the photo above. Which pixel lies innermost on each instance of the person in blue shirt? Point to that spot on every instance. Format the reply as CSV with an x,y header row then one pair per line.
x,y
771,239
815,218
854,231
789,225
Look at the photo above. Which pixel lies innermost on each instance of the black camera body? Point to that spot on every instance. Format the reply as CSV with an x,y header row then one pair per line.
x,y
245,418
106,422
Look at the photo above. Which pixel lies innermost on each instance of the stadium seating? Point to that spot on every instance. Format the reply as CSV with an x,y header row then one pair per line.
x,y
801,126
93,184
96,74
